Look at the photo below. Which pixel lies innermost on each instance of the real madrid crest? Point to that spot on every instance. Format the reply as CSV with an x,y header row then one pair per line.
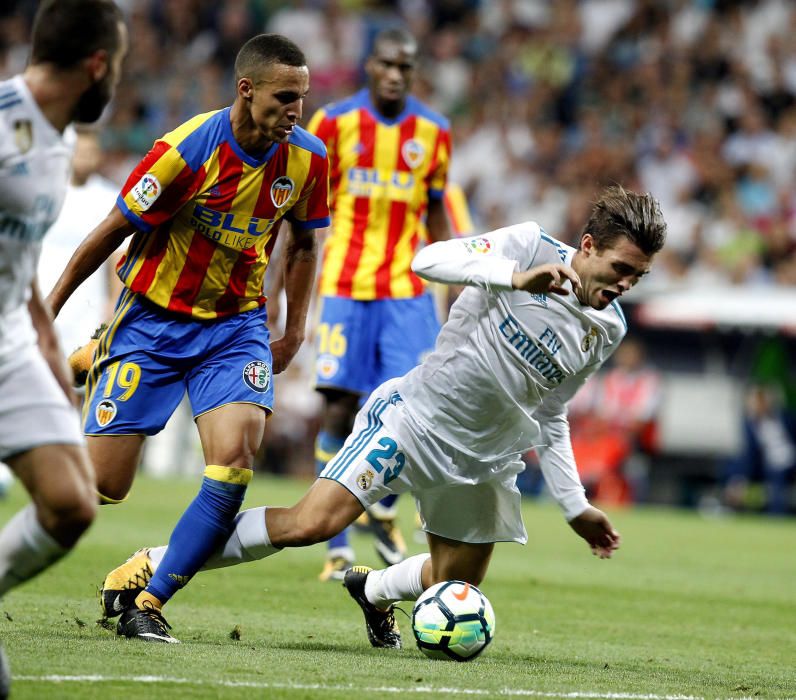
x,y
23,135
588,340
365,479
281,189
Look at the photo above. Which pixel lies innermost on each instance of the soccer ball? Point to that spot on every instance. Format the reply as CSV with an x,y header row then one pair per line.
x,y
453,620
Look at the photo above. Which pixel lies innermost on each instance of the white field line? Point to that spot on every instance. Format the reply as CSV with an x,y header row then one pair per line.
x,y
419,689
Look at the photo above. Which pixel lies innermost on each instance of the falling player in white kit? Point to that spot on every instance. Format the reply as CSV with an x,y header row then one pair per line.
x,y
77,48
537,318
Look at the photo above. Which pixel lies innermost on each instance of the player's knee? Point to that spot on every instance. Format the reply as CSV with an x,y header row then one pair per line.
x,y
111,492
68,518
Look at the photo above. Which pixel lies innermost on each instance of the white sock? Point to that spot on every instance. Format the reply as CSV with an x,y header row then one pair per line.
x,y
26,548
249,541
156,555
400,581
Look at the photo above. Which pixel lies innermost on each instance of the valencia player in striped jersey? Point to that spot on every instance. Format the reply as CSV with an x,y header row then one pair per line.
x,y
203,208
388,157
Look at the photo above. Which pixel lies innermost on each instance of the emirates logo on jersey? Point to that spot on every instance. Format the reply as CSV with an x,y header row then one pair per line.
x,y
281,189
413,153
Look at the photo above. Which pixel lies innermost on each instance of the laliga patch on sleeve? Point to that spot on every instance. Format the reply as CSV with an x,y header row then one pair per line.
x,y
146,191
479,245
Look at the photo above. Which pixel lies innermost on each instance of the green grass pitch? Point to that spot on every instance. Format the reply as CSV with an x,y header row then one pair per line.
x,y
689,607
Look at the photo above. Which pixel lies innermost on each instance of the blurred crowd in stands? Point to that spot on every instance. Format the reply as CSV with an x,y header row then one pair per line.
x,y
692,100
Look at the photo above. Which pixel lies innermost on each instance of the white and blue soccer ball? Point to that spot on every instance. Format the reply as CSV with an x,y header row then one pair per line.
x,y
453,620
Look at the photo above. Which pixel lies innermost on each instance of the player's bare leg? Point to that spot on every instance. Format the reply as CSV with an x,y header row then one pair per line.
x,y
115,459
60,481
456,560
325,510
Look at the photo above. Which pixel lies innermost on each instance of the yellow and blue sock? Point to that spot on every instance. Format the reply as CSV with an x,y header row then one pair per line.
x,y
326,447
204,524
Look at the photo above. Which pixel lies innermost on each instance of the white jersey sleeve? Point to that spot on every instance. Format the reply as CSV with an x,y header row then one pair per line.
x,y
486,261
556,457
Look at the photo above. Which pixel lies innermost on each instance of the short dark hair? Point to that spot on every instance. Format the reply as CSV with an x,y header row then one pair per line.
x,y
265,49
67,31
395,35
619,212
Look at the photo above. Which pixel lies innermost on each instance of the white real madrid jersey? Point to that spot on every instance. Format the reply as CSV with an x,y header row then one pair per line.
x,y
506,362
34,171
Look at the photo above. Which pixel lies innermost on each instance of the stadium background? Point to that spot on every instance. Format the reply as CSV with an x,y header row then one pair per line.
x,y
692,100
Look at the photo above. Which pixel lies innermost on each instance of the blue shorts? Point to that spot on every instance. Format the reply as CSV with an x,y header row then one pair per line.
x,y
362,344
148,358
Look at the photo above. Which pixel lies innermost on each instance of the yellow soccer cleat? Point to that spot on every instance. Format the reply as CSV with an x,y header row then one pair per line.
x,y
389,542
80,360
122,585
334,569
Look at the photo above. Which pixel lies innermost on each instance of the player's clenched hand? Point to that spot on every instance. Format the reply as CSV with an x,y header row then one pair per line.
x,y
546,279
283,350
594,527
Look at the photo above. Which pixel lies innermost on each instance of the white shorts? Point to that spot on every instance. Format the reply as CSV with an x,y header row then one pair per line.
x,y
34,410
457,496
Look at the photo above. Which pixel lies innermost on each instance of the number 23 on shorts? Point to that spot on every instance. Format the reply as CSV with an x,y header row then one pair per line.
x,y
390,451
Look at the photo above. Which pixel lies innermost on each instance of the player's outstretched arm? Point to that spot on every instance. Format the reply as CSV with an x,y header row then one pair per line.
x,y
594,527
301,254
95,249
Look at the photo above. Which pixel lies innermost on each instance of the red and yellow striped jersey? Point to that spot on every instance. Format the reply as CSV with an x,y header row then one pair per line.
x,y
207,215
382,174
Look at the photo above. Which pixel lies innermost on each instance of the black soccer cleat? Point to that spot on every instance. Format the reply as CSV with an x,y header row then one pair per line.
x,y
148,625
380,624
